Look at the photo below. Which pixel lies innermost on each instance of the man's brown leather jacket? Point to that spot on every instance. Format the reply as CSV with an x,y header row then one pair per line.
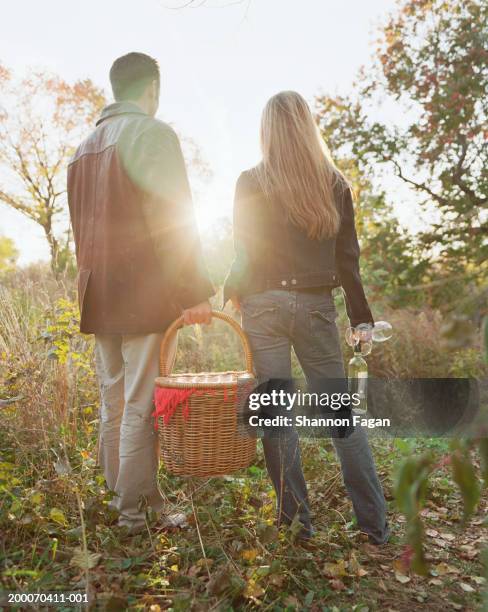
x,y
139,256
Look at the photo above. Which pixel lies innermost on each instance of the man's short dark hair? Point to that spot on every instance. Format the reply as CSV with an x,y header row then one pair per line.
x,y
131,74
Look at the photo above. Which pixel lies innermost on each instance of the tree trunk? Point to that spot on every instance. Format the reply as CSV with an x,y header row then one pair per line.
x,y
54,250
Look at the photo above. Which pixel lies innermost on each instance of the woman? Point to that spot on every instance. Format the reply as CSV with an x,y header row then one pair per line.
x,y
295,240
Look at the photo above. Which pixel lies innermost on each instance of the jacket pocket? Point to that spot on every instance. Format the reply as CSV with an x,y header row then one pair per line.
x,y
83,278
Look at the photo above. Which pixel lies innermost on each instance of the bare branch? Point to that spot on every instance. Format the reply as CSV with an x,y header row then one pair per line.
x,y
460,171
24,173
18,204
419,186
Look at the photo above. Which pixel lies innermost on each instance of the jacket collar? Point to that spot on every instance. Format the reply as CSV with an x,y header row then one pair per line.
x,y
119,108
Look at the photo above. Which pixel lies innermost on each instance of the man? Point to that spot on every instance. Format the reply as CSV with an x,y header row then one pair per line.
x,y
140,266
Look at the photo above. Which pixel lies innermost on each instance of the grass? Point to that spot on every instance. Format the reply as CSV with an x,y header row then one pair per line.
x,y
222,553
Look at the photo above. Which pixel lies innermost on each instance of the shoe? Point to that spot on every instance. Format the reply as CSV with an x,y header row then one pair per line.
x,y
163,521
133,528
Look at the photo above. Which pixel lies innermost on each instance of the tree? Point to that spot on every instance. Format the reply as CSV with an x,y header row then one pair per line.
x,y
8,253
431,64
42,118
389,264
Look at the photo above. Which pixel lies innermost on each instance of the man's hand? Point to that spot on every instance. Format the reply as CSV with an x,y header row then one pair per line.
x,y
201,313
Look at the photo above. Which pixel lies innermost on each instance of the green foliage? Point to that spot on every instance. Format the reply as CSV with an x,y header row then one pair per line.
x,y
433,56
464,475
389,260
66,260
430,64
410,492
8,253
62,335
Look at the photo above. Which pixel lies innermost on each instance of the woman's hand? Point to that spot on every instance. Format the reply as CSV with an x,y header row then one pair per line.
x,y
236,303
364,332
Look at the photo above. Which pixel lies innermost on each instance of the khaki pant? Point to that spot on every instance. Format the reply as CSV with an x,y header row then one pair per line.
x,y
127,366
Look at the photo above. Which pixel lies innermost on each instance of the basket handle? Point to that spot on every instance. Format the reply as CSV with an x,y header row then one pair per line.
x,y
169,343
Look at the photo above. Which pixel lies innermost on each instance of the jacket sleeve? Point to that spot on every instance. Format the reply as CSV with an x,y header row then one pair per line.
x,y
242,226
347,261
159,169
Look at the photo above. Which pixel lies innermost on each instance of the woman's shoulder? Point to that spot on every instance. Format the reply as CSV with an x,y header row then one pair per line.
x,y
341,185
248,183
342,191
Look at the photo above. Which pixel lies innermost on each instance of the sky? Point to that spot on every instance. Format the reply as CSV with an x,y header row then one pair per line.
x,y
220,62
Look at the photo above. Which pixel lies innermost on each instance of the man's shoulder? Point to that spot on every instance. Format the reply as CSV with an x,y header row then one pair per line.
x,y
158,129
147,136
87,145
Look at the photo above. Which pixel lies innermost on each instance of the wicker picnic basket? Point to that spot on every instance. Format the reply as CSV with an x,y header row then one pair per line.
x,y
200,416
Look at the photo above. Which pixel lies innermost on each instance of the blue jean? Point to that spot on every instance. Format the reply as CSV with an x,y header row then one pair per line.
x,y
275,321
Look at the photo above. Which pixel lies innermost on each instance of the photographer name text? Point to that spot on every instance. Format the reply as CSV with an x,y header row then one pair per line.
x,y
304,421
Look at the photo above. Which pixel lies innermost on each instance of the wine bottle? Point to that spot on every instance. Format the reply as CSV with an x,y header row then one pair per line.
x,y
358,381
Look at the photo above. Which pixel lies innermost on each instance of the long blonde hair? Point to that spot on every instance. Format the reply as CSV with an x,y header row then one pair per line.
x,y
297,170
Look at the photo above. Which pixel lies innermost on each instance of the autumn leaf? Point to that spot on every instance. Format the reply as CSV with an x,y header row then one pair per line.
x,y
249,554
253,590
175,521
268,534
337,584
355,567
335,570
399,566
468,551
443,568
447,536
276,580
292,602
58,516
205,563
116,603
84,560
432,533
193,571
62,466
219,582
37,498
402,578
